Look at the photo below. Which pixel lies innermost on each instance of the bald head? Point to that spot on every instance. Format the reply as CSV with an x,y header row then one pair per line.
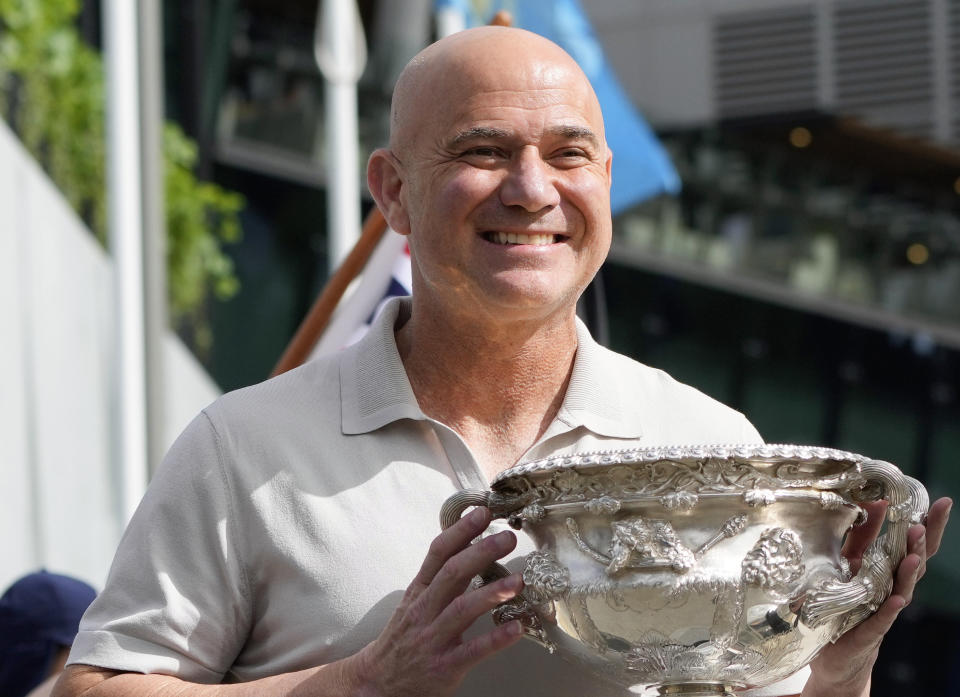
x,y
483,59
499,173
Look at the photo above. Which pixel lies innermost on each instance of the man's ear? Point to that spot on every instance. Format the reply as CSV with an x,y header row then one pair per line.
x,y
385,182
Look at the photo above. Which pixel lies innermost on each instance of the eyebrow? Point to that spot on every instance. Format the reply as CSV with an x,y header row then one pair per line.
x,y
576,133
491,133
479,133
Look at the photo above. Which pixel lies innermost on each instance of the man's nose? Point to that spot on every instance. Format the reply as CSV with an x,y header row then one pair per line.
x,y
529,182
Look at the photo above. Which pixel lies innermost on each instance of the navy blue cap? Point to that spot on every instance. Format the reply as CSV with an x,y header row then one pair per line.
x,y
39,614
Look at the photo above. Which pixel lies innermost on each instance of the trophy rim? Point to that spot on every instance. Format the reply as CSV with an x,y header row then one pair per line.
x,y
749,453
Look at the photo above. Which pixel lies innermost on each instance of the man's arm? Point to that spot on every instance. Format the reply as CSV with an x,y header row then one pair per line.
x,y
844,668
420,653
91,681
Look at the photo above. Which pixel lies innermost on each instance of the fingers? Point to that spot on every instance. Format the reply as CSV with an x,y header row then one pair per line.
x,y
463,611
858,539
449,542
937,518
866,636
924,540
854,653
472,652
906,577
455,575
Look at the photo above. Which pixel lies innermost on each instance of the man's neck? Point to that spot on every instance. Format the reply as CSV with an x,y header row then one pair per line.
x,y
499,385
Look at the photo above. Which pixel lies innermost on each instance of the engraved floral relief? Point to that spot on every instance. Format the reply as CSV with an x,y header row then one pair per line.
x,y
677,482
830,501
645,543
680,501
705,662
730,528
775,564
776,560
602,505
520,609
544,577
638,543
533,513
759,497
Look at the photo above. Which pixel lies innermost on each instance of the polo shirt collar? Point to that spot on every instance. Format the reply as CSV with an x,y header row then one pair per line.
x,y
375,391
596,397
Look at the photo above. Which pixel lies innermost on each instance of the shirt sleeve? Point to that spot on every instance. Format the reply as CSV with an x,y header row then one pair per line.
x,y
176,597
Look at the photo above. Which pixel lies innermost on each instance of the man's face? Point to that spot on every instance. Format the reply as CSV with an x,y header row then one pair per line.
x,y
506,186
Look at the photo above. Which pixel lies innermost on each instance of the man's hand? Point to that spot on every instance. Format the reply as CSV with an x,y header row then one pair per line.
x,y
421,652
843,669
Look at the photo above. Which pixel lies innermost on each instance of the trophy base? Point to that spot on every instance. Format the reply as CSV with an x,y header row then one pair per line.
x,y
696,689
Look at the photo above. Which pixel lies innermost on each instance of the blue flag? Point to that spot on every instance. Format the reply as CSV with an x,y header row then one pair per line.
x,y
641,167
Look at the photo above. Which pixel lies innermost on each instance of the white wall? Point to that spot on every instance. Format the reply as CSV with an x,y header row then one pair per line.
x,y
58,507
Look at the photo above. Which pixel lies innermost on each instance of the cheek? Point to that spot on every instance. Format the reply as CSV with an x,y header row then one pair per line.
x,y
464,190
591,196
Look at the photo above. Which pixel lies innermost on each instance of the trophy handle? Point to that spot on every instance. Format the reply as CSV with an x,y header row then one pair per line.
x,y
855,600
518,608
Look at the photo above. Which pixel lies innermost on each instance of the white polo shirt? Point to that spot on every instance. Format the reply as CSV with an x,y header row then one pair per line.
x,y
286,521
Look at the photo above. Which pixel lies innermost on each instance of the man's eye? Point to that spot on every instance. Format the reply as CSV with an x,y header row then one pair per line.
x,y
570,156
482,152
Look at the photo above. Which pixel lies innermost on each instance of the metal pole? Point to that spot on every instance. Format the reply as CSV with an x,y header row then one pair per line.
x,y
154,226
341,55
125,218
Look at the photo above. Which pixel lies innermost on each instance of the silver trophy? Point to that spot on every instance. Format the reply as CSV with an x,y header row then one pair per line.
x,y
696,571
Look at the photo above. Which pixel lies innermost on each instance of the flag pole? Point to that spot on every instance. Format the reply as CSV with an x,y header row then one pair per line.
x,y
125,226
317,319
340,53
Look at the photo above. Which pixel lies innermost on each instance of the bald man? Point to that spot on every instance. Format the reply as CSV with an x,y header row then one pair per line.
x,y
274,551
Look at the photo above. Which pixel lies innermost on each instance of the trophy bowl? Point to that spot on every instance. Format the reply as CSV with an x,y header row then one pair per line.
x,y
696,570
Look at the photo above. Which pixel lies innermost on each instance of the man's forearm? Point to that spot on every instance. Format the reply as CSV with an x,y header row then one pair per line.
x,y
812,690
334,680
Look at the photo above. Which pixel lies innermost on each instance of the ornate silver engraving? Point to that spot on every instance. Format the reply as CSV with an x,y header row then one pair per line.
x,y
638,543
775,561
659,608
558,482
544,577
520,609
830,501
902,511
706,662
731,527
759,497
794,456
680,501
601,505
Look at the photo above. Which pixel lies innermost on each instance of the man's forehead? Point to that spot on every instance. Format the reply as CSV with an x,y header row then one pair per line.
x,y
491,76
565,106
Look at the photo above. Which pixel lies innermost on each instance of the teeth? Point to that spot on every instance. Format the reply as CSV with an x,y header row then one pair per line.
x,y
514,238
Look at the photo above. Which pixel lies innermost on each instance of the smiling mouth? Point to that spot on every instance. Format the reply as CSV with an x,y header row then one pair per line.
x,y
519,238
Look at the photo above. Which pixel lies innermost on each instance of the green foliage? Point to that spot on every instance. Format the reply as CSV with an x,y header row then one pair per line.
x,y
200,216
52,93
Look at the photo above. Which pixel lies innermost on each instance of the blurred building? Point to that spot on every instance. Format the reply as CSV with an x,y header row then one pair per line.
x,y
809,272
